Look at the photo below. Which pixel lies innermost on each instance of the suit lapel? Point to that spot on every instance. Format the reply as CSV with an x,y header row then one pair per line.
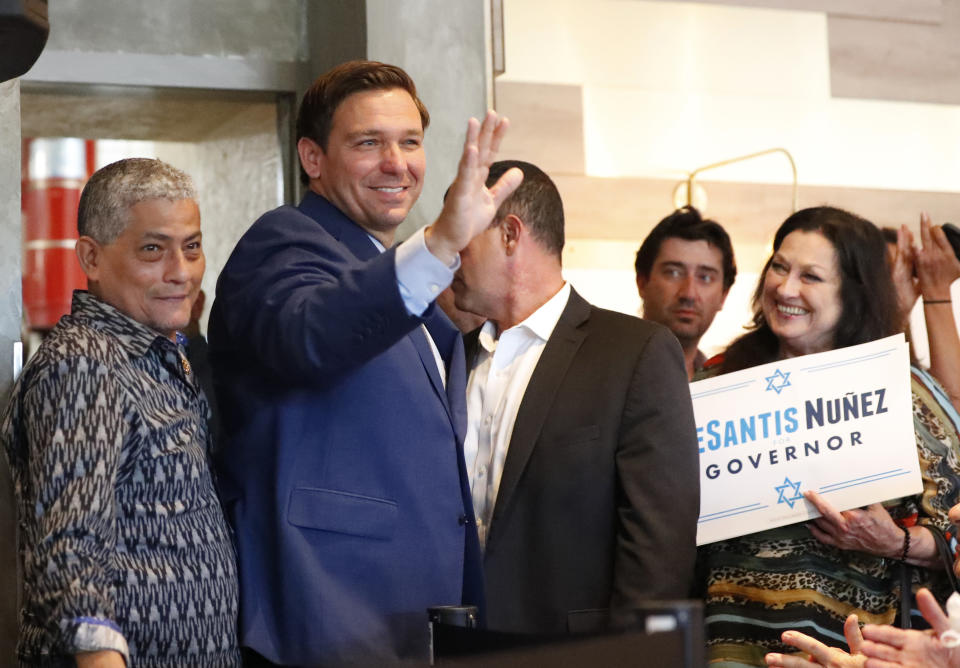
x,y
552,366
456,379
444,339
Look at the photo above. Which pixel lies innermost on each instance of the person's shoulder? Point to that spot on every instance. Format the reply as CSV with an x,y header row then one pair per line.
x,y
928,390
631,325
278,231
74,347
624,337
79,337
714,363
711,367
284,218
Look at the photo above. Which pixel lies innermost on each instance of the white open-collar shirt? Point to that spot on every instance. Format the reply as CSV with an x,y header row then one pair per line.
x,y
498,380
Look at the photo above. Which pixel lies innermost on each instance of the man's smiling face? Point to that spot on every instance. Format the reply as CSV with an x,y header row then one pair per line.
x,y
372,169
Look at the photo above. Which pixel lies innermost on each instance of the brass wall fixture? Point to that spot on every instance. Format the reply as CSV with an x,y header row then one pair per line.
x,y
694,192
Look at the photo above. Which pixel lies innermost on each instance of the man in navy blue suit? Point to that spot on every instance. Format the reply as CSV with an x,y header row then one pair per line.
x,y
341,385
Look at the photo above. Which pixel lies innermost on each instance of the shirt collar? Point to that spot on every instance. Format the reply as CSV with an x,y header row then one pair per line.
x,y
540,323
376,242
137,338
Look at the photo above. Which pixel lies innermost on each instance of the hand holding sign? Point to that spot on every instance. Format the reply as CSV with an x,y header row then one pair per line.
x,y
839,423
869,529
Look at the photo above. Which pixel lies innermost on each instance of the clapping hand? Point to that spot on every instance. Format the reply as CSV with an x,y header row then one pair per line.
x,y
819,654
937,266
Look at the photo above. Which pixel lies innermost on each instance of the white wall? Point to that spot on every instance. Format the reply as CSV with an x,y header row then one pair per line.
x,y
668,87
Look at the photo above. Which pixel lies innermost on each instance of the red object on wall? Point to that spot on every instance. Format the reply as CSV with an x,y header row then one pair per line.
x,y
54,175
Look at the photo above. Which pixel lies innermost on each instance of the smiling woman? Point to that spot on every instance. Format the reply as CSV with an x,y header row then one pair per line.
x,y
827,286
801,294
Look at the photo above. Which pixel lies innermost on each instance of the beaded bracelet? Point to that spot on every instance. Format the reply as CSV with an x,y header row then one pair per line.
x,y
906,543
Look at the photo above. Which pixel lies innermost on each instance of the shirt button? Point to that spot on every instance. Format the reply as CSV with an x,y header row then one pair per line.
x,y
434,288
487,420
481,472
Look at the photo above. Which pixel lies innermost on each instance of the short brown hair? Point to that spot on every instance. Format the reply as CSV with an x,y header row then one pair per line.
x,y
321,100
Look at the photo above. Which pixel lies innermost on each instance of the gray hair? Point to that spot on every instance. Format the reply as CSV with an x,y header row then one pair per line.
x,y
104,210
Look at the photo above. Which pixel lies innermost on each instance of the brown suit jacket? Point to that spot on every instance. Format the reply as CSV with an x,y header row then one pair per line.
x,y
598,502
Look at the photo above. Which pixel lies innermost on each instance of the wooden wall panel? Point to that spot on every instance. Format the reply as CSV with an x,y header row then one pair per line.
x,y
920,11
601,208
546,125
896,61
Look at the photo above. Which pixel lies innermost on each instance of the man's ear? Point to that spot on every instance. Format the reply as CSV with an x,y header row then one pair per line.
x,y
311,156
90,256
641,285
511,227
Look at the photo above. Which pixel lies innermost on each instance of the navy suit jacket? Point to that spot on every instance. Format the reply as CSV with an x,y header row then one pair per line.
x,y
341,464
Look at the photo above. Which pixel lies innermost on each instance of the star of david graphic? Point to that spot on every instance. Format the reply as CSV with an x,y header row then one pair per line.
x,y
789,492
778,381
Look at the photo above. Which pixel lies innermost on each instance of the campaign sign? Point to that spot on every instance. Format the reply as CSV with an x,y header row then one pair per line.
x,y
839,423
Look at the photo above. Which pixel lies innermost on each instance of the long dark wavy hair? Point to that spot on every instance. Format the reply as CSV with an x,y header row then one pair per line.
x,y
867,297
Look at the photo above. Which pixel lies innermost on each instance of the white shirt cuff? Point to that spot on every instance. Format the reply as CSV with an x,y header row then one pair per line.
x,y
421,276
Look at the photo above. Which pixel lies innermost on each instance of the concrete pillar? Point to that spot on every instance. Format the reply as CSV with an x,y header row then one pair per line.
x,y
447,59
9,333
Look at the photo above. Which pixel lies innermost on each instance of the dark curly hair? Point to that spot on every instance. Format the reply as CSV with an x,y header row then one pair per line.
x,y
867,297
689,225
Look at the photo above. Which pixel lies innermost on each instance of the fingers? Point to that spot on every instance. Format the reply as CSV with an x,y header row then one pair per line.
x,y
955,514
492,131
473,134
480,147
940,240
925,239
485,140
851,631
932,611
821,534
505,185
816,649
787,661
470,155
878,639
498,134
873,662
827,511
879,654
905,252
908,234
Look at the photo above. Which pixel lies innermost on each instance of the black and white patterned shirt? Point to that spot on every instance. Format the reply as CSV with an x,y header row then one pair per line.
x,y
123,542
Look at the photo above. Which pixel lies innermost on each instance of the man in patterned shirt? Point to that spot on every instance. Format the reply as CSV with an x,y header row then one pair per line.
x,y
126,556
